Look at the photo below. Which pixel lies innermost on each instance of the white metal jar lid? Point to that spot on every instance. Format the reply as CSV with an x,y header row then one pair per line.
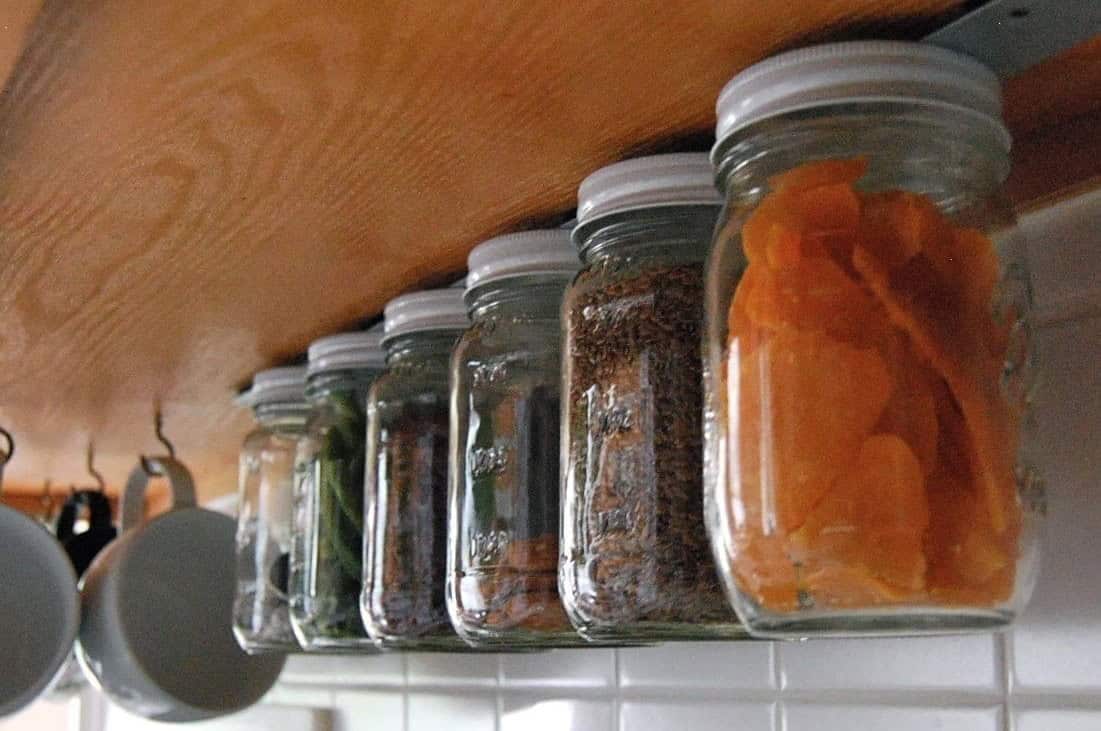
x,y
347,351
275,385
429,309
677,179
546,251
859,71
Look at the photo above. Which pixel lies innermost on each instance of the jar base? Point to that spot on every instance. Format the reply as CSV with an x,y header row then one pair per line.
x,y
651,633
518,641
368,648
336,645
452,644
268,647
880,623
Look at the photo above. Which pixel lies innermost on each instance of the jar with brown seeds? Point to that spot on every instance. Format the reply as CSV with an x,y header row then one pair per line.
x,y
405,531
636,564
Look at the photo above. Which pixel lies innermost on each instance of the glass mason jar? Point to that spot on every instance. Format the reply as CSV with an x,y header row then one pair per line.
x,y
506,380
403,603
261,622
868,367
635,562
327,555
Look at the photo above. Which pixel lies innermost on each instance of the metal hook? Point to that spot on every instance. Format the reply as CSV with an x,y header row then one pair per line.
x,y
6,455
46,502
92,470
9,451
158,429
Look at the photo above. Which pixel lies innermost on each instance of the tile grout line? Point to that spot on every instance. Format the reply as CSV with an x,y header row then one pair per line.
x,y
500,709
617,692
1007,659
405,699
775,658
779,714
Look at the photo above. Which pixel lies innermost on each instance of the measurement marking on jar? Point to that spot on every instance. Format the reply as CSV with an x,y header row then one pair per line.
x,y
488,460
489,547
620,311
489,372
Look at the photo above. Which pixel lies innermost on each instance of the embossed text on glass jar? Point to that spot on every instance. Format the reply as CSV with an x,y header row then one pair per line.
x,y
503,582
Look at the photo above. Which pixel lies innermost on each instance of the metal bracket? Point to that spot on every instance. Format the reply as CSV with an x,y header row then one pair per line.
x,y
1010,36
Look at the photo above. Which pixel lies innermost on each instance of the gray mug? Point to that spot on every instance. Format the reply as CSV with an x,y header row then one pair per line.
x,y
157,608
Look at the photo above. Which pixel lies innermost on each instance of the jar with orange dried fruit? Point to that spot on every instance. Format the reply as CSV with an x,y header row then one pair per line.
x,y
868,354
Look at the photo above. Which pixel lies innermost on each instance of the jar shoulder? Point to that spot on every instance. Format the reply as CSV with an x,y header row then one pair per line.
x,y
494,353
408,393
261,441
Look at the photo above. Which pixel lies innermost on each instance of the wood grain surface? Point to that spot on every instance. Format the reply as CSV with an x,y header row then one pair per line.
x,y
192,191
16,17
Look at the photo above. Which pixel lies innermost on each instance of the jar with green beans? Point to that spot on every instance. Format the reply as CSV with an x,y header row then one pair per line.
x,y
326,561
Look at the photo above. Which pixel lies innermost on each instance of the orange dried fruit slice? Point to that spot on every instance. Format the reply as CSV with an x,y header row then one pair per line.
x,y
819,173
834,207
764,570
844,587
812,400
829,209
911,413
886,486
743,335
898,225
969,562
772,212
814,294
784,248
872,519
977,266
923,308
760,560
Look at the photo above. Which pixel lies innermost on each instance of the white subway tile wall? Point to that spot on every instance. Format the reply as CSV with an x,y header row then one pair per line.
x,y
466,669
453,712
720,666
1043,676
524,713
893,664
356,710
846,717
577,668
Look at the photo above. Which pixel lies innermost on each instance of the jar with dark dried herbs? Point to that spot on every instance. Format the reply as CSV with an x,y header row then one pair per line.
x,y
402,603
506,379
326,563
635,560
261,620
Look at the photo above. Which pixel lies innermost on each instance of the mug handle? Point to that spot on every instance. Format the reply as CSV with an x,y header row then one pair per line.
x,y
66,521
99,509
133,496
99,513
